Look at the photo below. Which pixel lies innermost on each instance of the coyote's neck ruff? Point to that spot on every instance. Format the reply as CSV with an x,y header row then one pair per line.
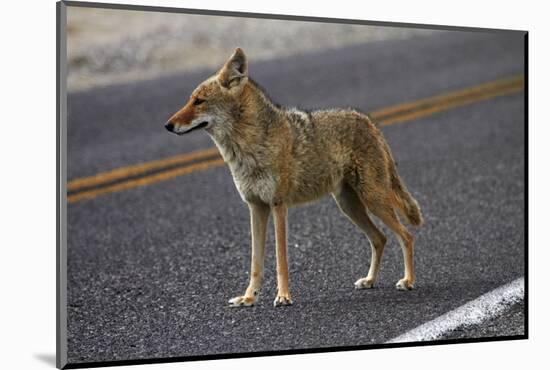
x,y
280,157
244,143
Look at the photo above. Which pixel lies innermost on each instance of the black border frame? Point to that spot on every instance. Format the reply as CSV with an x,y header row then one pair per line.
x,y
61,317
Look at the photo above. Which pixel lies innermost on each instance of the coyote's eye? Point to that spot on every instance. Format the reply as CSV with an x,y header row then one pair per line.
x,y
198,101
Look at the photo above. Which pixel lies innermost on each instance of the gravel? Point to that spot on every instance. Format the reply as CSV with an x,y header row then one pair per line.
x,y
106,46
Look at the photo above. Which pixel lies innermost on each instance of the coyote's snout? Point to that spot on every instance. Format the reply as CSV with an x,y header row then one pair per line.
x,y
280,157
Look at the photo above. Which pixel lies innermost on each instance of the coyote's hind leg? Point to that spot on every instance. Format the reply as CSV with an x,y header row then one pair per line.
x,y
351,205
386,213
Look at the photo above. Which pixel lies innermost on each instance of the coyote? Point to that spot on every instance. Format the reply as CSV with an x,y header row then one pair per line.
x,y
280,157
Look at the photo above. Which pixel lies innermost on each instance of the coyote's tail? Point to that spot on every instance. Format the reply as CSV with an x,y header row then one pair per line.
x,y
406,204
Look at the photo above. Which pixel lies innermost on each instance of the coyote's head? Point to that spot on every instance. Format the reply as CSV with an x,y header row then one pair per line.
x,y
215,101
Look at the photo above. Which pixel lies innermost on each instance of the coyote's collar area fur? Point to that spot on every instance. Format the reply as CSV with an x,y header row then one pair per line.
x,y
280,157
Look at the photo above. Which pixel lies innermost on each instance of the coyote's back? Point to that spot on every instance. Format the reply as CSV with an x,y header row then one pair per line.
x,y
332,148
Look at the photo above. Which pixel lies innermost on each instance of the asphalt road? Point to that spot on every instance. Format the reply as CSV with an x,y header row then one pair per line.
x,y
511,322
150,269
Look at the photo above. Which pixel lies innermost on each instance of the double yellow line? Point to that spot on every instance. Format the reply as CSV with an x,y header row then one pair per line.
x,y
160,170
439,103
142,174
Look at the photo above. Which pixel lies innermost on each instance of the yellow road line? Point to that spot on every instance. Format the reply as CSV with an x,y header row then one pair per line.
x,y
138,169
447,105
210,157
161,176
405,108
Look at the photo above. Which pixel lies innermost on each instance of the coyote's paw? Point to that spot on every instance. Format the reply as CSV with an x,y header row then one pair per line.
x,y
242,301
404,284
364,283
282,300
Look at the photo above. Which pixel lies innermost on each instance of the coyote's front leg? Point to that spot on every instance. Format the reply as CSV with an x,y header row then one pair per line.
x,y
259,215
279,220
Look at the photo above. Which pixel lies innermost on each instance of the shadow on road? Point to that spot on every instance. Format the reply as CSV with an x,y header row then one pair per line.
x,y
47,358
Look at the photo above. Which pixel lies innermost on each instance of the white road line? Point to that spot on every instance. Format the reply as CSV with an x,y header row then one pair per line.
x,y
474,312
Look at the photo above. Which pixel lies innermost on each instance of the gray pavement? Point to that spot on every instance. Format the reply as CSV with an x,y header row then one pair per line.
x,y
150,269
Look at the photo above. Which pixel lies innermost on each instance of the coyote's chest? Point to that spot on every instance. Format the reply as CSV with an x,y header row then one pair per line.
x,y
254,182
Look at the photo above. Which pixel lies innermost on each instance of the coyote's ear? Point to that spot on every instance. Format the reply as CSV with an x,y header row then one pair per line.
x,y
235,70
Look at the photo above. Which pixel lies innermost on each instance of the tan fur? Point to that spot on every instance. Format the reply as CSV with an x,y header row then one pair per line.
x,y
280,157
186,114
